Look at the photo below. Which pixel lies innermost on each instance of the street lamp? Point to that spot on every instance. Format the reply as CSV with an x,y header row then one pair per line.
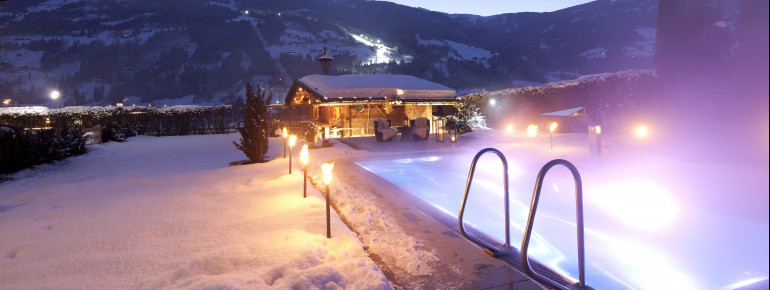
x,y
55,96
532,130
285,135
510,133
642,132
552,128
292,140
327,169
303,158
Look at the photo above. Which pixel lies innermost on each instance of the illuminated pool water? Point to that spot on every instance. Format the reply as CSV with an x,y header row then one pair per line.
x,y
640,232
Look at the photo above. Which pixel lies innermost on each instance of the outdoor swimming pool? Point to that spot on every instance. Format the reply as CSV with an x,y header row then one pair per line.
x,y
641,230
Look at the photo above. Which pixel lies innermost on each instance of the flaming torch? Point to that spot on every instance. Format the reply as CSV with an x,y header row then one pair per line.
x,y
327,169
285,135
292,140
303,158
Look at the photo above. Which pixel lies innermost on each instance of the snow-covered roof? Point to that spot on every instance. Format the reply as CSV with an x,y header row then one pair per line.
x,y
566,113
376,87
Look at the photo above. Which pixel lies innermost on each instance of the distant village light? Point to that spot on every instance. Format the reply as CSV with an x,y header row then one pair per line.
x,y
492,102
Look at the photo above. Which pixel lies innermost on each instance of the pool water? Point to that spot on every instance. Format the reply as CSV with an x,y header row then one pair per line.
x,y
639,233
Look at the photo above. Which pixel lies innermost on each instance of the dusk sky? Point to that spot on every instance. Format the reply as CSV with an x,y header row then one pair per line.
x,y
490,7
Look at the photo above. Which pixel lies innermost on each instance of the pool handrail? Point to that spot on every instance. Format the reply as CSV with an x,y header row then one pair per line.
x,y
531,219
489,249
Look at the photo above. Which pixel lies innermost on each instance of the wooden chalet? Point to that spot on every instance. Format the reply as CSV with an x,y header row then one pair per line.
x,y
346,104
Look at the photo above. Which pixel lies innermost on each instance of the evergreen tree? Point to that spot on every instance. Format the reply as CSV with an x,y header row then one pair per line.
x,y
254,131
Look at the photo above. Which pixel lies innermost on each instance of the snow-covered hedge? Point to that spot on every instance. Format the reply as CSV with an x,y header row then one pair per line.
x,y
24,148
176,120
612,100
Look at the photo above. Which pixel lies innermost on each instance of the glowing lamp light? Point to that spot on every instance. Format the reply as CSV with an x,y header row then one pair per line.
x,y
641,131
285,133
532,130
492,102
553,127
55,95
509,129
6,102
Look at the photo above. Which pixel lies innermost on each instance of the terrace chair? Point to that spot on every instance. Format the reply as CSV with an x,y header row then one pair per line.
x,y
382,130
420,128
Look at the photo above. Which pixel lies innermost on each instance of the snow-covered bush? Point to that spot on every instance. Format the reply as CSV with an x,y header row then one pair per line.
x,y
24,148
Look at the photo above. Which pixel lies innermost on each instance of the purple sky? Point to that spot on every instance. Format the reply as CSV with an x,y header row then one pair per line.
x,y
490,7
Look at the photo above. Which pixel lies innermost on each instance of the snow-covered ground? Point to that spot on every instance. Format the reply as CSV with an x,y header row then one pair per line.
x,y
169,212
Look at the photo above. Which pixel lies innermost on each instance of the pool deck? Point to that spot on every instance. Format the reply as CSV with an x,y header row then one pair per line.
x,y
461,265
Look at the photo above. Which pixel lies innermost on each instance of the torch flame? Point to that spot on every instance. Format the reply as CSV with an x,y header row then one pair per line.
x,y
532,130
327,169
553,126
285,133
303,154
292,140
510,128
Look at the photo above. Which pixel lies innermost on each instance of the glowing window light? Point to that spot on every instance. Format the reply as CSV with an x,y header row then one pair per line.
x,y
532,130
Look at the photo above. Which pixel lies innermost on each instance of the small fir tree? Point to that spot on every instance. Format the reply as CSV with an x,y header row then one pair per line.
x,y
254,131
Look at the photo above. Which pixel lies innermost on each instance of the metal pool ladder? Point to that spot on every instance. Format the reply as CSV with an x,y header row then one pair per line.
x,y
490,249
531,220
507,249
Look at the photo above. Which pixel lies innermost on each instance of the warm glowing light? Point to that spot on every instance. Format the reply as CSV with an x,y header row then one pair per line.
x,y
47,121
6,101
510,129
453,138
532,130
285,133
598,129
119,105
327,169
292,140
55,95
553,127
303,154
641,131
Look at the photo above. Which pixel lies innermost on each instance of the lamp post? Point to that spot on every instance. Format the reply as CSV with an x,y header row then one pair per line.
x,y
285,135
327,169
552,128
55,96
532,130
642,132
303,158
292,140
510,133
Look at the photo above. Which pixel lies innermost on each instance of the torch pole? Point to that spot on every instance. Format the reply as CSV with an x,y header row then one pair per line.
x,y
328,219
304,185
289,159
551,140
284,147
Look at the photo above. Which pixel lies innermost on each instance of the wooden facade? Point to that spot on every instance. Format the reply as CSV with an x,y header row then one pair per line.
x,y
352,114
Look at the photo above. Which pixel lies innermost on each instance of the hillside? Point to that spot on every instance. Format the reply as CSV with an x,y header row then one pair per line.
x,y
204,51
